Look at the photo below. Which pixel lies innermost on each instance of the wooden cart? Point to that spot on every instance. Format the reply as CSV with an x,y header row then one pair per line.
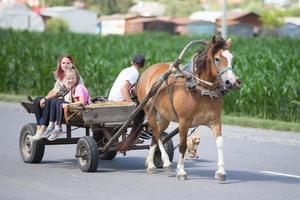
x,y
101,123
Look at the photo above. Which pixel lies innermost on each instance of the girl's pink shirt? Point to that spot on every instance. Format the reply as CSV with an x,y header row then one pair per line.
x,y
81,91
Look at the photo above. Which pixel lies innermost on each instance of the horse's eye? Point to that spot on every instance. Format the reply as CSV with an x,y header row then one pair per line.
x,y
217,59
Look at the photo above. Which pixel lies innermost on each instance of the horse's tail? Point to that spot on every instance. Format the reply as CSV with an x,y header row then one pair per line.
x,y
134,133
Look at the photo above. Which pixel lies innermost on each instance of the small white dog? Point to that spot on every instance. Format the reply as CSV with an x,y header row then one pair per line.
x,y
192,146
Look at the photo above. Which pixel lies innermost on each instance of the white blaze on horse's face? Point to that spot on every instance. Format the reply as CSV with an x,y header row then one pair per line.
x,y
226,73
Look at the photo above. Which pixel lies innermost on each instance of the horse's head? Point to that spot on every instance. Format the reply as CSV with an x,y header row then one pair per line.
x,y
222,60
215,62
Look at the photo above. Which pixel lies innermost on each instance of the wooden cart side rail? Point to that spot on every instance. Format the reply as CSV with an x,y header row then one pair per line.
x,y
28,106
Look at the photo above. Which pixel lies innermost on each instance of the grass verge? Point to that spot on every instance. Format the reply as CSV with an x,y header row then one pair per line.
x,y
12,97
226,119
261,123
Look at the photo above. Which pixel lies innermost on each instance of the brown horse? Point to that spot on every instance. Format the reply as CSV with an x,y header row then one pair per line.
x,y
200,105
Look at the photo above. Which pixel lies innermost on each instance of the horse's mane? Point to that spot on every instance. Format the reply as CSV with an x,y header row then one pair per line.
x,y
206,54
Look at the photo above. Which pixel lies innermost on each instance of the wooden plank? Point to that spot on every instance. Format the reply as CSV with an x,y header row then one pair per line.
x,y
107,114
28,106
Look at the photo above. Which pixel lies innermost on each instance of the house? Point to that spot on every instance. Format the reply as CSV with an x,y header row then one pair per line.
x,y
18,16
158,25
148,24
240,29
250,22
293,20
209,16
200,27
79,20
115,24
289,30
130,24
180,25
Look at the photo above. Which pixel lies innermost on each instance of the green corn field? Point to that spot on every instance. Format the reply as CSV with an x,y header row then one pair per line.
x,y
269,67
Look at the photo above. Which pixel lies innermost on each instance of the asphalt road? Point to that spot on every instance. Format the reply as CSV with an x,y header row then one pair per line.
x,y
260,164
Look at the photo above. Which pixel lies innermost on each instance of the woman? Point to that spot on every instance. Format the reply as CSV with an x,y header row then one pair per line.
x,y
42,104
79,96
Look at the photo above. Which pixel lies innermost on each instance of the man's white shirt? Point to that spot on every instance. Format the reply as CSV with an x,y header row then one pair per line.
x,y
130,74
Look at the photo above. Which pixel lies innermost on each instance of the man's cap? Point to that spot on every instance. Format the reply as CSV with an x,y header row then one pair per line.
x,y
139,59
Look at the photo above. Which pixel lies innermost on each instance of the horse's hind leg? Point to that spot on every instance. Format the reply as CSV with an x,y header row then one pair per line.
x,y
157,128
163,125
220,174
152,120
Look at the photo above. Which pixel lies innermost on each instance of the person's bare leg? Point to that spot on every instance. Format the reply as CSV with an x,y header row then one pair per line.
x,y
39,132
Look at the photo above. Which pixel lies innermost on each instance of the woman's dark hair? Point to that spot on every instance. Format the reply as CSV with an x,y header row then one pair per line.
x,y
59,73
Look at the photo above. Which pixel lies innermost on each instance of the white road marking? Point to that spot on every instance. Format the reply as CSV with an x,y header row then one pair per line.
x,y
280,174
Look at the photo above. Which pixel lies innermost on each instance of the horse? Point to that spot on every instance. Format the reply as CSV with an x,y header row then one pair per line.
x,y
201,104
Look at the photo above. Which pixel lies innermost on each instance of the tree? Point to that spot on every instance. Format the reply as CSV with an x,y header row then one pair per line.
x,y
272,19
180,8
109,7
56,25
106,7
52,3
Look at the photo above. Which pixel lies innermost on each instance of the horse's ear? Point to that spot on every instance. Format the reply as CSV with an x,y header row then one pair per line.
x,y
228,43
213,40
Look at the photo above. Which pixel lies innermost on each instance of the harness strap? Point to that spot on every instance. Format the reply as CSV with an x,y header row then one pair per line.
x,y
170,94
222,71
194,83
205,92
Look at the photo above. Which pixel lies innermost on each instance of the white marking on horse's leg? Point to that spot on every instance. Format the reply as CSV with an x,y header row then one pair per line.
x,y
149,160
180,166
164,156
221,164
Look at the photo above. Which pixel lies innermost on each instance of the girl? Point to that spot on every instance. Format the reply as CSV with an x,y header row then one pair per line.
x,y
79,95
42,104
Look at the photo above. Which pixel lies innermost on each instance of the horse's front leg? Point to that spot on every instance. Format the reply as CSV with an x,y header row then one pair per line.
x,y
151,169
220,174
183,128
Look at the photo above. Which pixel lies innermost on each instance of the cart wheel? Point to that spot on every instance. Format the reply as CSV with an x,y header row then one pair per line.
x,y
31,152
169,147
101,141
87,153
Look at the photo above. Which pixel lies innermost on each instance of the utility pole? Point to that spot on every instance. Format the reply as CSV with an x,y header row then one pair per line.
x,y
224,20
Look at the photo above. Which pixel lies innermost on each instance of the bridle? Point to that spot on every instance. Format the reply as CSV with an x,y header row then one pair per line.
x,y
205,88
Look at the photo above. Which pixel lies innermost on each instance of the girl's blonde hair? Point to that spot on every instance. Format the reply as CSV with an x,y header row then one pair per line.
x,y
73,69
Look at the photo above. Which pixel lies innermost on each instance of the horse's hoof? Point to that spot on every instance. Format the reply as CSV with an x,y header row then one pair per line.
x,y
151,170
182,177
220,176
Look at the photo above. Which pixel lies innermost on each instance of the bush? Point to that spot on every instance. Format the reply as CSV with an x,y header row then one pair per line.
x,y
56,25
272,19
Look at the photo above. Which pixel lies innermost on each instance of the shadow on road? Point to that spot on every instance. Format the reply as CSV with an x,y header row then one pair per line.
x,y
193,167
